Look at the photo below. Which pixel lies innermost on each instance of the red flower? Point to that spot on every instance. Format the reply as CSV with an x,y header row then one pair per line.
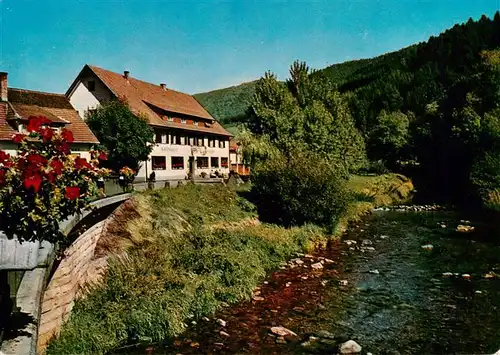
x,y
63,148
67,136
103,156
56,166
34,123
18,137
33,181
72,193
2,177
4,156
51,177
46,133
36,160
81,163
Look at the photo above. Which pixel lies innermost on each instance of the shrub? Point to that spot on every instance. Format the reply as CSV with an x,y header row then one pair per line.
x,y
299,189
43,184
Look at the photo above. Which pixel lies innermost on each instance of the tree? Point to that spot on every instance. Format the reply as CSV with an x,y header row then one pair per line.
x,y
43,184
389,136
127,138
307,113
300,188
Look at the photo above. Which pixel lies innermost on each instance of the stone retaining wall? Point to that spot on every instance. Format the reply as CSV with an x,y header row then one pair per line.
x,y
70,276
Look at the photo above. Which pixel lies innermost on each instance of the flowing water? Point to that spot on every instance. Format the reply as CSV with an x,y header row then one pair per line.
x,y
385,292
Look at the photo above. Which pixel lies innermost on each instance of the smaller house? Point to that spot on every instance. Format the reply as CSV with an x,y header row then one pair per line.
x,y
238,164
17,105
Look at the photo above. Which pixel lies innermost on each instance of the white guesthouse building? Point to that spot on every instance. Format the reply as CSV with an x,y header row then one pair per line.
x,y
187,137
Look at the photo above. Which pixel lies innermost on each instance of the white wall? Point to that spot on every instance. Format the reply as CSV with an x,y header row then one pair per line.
x,y
80,149
185,151
82,99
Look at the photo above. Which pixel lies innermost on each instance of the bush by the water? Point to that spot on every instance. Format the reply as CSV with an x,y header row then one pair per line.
x,y
195,249
301,188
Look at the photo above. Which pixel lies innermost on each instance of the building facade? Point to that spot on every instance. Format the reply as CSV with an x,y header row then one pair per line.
x,y
238,163
188,140
17,105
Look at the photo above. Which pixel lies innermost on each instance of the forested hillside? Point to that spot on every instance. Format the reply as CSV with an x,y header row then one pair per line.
x,y
430,109
229,104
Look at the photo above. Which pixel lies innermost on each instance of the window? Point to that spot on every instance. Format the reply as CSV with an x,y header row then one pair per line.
x,y
170,119
195,123
177,163
91,85
214,162
202,163
183,121
159,163
211,142
158,137
222,144
201,141
223,162
164,138
191,140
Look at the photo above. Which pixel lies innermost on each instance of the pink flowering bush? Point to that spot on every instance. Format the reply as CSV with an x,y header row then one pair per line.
x,y
44,184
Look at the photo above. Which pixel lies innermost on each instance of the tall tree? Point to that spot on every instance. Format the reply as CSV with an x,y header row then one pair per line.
x,y
127,138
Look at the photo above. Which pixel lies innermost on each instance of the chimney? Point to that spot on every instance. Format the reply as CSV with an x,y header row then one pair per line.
x,y
126,73
3,86
163,86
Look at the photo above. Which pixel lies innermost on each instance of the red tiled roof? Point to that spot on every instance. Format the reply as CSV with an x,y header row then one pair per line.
x,y
55,107
6,131
155,102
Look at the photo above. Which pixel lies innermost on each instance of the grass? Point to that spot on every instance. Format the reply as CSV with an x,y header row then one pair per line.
x,y
189,251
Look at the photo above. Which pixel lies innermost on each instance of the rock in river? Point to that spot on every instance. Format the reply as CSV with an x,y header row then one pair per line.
x,y
317,266
464,229
282,332
427,247
350,347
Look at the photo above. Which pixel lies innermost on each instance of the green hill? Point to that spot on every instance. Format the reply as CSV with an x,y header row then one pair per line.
x,y
229,104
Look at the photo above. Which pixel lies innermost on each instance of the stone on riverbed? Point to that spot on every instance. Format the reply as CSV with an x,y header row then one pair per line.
x,y
376,272
490,275
317,266
350,242
224,334
221,322
427,247
464,229
258,298
325,334
350,347
282,332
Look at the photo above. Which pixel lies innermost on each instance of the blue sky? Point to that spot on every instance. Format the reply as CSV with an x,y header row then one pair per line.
x,y
196,46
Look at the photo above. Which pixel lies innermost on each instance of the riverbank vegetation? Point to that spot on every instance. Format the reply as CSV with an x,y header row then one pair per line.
x,y
188,251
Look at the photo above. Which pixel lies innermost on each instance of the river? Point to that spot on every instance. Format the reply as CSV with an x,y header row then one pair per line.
x,y
386,292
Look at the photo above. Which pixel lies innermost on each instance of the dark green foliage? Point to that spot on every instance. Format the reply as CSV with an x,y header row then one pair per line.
x,y
122,134
307,113
445,87
298,189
